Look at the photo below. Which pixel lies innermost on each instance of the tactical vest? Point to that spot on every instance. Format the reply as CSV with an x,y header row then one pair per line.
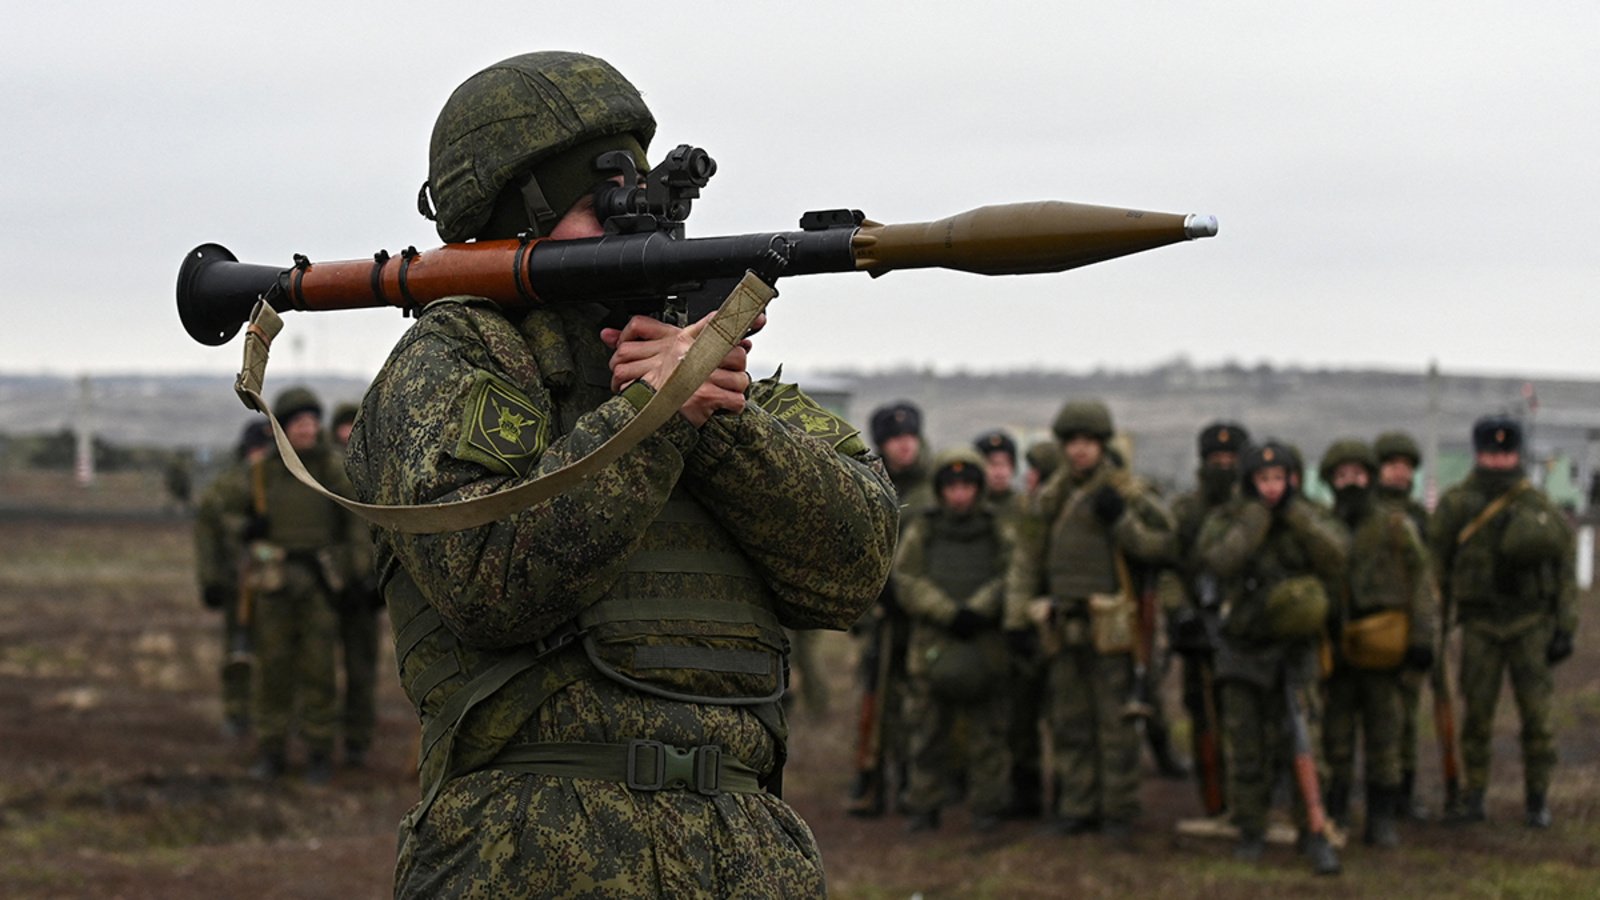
x,y
300,519
1079,559
1487,583
695,626
962,553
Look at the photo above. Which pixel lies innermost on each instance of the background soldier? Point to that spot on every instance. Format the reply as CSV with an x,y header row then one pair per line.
x,y
1385,602
1504,554
949,577
1044,458
1193,626
1093,520
219,542
302,550
598,676
999,454
358,607
1274,552
1398,461
881,739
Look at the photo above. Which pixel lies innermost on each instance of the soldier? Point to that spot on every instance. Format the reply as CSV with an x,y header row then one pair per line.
x,y
1273,552
1398,461
1044,458
358,608
999,453
1092,521
1384,616
303,549
599,676
1504,556
881,752
219,542
1192,627
949,577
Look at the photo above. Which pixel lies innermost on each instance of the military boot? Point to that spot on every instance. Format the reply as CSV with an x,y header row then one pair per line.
x,y
866,796
1381,806
1470,810
1250,847
319,767
1168,765
920,822
1538,810
1338,802
1027,795
1406,804
269,766
1324,859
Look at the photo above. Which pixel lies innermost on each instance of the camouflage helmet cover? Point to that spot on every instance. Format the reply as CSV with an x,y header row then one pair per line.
x,y
1044,457
294,401
515,114
958,464
1391,444
1346,450
1089,417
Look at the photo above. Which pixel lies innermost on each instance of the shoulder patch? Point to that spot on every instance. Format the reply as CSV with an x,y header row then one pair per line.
x,y
501,429
789,405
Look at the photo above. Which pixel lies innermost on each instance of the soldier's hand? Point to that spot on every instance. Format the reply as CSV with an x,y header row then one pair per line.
x,y
214,597
1560,647
649,350
1419,657
967,623
1109,504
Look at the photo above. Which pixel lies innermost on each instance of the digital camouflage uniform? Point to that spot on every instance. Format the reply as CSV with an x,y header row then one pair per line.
x,y
358,607
680,563
947,563
295,627
1067,554
1511,584
219,552
1389,570
1254,549
1388,444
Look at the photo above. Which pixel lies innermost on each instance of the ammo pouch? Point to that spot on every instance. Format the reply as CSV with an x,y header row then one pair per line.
x,y
1376,642
264,567
693,650
1113,623
967,671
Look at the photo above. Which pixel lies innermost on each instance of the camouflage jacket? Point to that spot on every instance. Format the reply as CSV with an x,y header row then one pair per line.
x,y
469,403
1482,576
1253,549
1389,569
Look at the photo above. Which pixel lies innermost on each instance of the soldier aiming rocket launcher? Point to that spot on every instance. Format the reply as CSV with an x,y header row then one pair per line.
x,y
645,264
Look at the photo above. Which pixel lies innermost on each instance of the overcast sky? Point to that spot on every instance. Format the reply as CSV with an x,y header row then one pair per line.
x,y
1395,182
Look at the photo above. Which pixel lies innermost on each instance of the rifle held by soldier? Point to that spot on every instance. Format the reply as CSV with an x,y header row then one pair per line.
x,y
644,264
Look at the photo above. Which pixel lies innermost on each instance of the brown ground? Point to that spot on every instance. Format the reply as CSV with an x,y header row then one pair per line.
x,y
115,781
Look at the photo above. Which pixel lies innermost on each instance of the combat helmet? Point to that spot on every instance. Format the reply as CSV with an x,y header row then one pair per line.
x,y
958,464
523,134
1044,457
1089,417
1391,444
1347,450
294,401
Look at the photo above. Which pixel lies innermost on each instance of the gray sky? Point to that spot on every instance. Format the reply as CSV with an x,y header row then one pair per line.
x,y
1395,182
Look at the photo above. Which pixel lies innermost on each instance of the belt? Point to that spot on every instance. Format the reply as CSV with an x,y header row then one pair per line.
x,y
641,765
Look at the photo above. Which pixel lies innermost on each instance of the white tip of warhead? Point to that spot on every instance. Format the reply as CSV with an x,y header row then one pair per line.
x,y
1198,226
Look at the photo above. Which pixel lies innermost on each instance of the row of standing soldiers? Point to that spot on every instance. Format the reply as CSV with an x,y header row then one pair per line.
x,y
1304,631
289,571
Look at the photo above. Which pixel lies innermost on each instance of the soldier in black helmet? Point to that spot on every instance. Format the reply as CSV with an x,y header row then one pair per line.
x,y
599,676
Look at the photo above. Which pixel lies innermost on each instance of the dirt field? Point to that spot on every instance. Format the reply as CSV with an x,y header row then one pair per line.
x,y
116,782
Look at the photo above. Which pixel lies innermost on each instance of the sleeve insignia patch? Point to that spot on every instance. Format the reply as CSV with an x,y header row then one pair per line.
x,y
501,429
789,405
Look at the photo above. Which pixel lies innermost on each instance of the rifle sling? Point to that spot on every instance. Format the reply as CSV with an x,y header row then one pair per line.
x,y
1490,511
726,329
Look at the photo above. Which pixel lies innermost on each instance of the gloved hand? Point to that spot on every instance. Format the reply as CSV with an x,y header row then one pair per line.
x,y
1560,647
1108,504
214,597
1186,631
1023,643
968,623
1418,657
256,528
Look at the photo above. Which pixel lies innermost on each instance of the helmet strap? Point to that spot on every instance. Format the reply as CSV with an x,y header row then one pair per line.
x,y
540,215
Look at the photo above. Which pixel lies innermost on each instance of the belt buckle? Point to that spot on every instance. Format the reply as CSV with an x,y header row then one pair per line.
x,y
708,770
655,753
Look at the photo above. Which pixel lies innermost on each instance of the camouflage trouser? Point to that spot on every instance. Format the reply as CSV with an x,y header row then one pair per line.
x,y
1410,708
1203,701
1260,748
498,834
295,632
1370,702
1486,656
1096,746
934,756
1029,680
358,636
235,672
